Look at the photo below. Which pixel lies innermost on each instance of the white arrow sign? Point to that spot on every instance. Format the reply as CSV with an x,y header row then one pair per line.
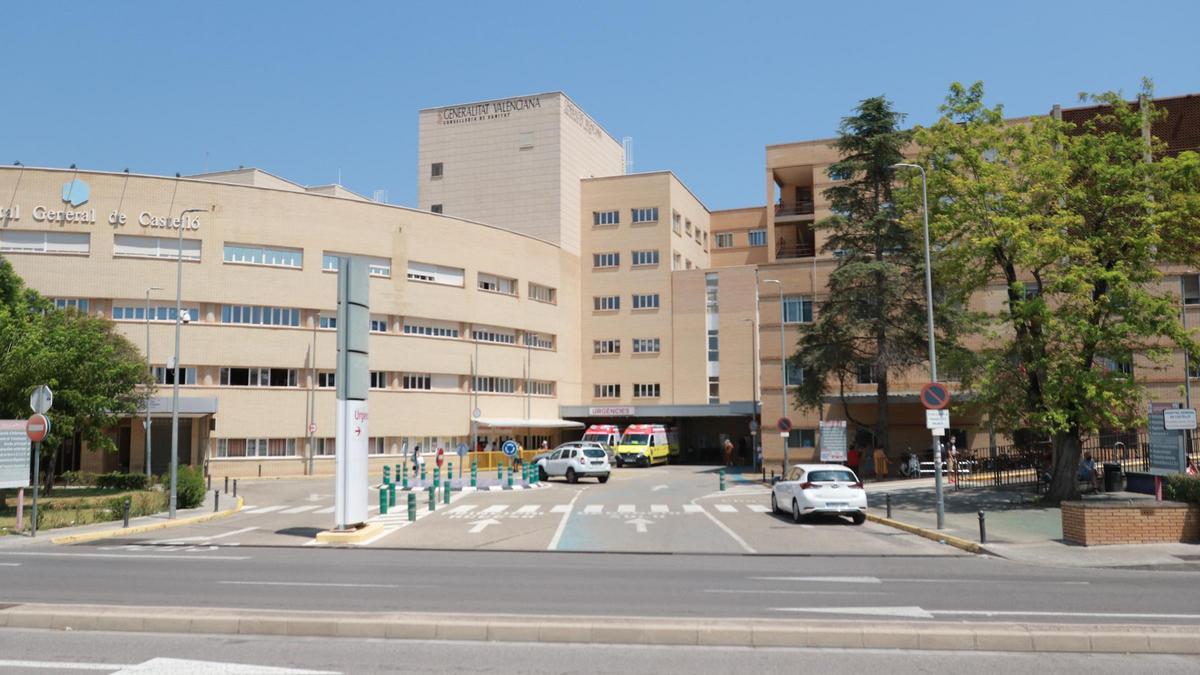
x,y
478,526
640,523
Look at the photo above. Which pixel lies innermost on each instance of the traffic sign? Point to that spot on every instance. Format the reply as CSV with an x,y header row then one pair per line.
x,y
935,396
476,413
937,419
753,426
312,428
462,449
41,399
509,447
441,456
37,428
784,425
1177,418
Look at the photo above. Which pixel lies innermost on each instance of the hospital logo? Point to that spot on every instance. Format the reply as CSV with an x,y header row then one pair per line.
x,y
75,192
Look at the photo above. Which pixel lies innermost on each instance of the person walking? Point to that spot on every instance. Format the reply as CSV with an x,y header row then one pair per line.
x,y
728,452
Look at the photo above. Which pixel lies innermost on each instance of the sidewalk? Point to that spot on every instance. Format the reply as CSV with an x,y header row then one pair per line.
x,y
44,537
1018,526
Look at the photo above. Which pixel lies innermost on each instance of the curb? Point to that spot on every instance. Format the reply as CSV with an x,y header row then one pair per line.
x,y
941,537
149,527
732,632
358,536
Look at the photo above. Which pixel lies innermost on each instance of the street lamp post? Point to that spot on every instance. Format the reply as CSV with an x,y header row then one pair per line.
x,y
149,454
937,445
175,386
756,432
782,372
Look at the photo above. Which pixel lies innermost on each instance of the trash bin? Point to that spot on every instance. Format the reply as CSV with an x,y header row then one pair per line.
x,y
1112,477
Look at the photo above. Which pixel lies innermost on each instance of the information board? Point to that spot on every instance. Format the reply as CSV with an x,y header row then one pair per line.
x,y
1167,454
833,441
15,454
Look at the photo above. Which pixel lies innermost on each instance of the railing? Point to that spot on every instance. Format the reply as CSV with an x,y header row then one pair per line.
x,y
797,209
795,251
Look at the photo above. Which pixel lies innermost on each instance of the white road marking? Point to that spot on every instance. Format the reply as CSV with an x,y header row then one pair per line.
x,y
725,508
659,508
328,509
528,510
732,535
178,558
656,488
693,508
562,524
773,591
823,580
462,508
301,509
10,564
910,612
1097,615
478,526
760,508
560,508
306,583
593,508
265,509
63,665
495,508
640,524
626,508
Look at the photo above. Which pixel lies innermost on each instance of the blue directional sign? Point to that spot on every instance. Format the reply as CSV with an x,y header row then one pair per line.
x,y
462,449
509,448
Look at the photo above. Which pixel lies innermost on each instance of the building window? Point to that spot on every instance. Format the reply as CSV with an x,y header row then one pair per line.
x,y
376,267
435,170
758,237
714,389
264,255
543,293
1191,289
606,303
538,340
646,215
706,240
687,227
494,385
376,445
676,222
260,316
606,346
525,140
417,381
676,261
645,301
157,312
256,447
712,293
644,258
601,218
797,309
379,325
430,330
540,388
606,391
802,438
75,243
493,335
164,375
327,322
435,208
795,374
714,346
724,239
497,284
645,345
134,246
258,377
866,374
379,379
646,390
1123,366
435,274
606,260
326,379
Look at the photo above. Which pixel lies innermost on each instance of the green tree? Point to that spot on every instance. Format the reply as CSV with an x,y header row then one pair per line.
x,y
1074,225
873,321
97,375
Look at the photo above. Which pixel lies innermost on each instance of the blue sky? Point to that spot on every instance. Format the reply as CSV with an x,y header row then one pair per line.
x,y
303,89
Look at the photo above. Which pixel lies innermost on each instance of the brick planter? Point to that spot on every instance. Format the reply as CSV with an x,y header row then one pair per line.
x,y
1095,523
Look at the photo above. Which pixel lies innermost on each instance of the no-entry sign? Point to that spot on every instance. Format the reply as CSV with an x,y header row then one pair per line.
x,y
37,428
935,396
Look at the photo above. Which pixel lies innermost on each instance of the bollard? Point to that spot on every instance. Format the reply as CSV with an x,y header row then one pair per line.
x,y
226,484
209,478
383,501
127,504
722,480
474,467
510,475
982,529
387,475
446,492
499,471
216,500
449,472
391,494
422,474
260,470
437,476
412,507
764,474
888,497
404,476
432,499
234,487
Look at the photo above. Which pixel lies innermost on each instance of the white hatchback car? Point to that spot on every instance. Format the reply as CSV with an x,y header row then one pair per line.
x,y
575,460
820,489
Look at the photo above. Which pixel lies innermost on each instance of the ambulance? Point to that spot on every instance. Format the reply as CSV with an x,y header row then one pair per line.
x,y
646,444
607,435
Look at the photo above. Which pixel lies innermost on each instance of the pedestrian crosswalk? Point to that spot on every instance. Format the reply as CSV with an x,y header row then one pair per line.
x,y
399,511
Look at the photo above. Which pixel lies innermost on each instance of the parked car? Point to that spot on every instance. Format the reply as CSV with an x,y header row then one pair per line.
x,y
576,460
820,489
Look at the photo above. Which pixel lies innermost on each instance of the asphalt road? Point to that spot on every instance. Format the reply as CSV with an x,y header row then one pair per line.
x,y
46,652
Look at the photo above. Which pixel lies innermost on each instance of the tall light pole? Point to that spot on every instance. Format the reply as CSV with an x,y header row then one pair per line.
x,y
175,387
756,431
782,372
149,454
937,444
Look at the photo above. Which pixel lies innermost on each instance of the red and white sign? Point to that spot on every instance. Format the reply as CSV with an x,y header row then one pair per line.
x,y
612,411
441,457
37,428
312,428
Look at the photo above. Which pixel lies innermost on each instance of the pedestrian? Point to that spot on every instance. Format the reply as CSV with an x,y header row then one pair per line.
x,y
1088,471
952,458
728,452
416,454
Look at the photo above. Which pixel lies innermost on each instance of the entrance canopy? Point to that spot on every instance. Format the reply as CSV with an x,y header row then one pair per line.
x,y
518,423
189,406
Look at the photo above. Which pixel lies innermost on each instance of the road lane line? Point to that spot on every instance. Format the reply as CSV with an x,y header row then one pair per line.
x,y
528,510
733,535
301,509
132,556
593,508
693,508
307,583
65,665
327,509
765,591
760,508
725,508
823,580
10,564
562,524
626,508
265,509
659,508
494,509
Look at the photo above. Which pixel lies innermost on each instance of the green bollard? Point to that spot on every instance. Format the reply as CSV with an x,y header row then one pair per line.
x,y
432,499
509,475
437,476
412,507
499,471
422,474
404,475
449,472
474,467
446,492
722,480
387,474
391,494
383,501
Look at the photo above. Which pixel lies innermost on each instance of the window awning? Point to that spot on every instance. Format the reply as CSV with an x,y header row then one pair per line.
x,y
535,423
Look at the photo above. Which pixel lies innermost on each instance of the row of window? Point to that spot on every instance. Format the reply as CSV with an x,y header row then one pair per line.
x,y
640,390
612,303
681,226
640,346
379,379
454,276
646,258
753,238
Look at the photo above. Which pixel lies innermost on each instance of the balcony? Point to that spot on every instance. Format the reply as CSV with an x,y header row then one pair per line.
x,y
790,211
800,250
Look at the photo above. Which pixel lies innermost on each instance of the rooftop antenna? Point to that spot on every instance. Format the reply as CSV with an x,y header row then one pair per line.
x,y
627,147
380,196
339,175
